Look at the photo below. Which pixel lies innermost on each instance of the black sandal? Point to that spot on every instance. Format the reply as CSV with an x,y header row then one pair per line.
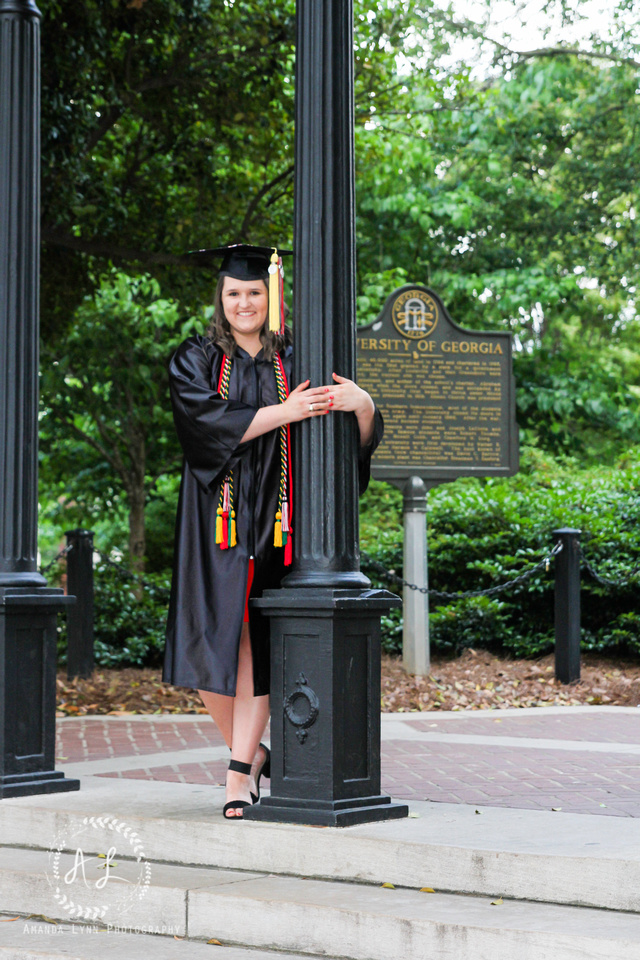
x,y
239,767
265,770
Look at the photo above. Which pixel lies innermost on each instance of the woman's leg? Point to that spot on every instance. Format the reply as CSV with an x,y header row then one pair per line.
x,y
242,721
220,709
250,717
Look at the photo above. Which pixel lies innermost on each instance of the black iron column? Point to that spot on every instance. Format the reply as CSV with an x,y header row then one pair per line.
x,y
27,607
326,505
325,623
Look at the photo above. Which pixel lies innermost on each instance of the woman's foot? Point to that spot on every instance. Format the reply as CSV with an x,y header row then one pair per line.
x,y
237,789
260,761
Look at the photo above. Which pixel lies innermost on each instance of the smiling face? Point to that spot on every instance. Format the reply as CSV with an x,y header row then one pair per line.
x,y
245,304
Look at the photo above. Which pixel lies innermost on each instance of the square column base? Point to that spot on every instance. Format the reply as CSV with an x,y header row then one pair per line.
x,y
339,813
31,784
28,636
325,707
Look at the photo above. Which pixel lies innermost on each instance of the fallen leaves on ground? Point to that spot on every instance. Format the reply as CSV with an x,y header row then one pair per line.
x,y
477,680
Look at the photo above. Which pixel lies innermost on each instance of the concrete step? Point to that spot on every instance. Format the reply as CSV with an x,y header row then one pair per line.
x,y
533,855
311,917
27,940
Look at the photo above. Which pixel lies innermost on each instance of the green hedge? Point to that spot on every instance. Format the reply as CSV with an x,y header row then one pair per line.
x,y
481,533
484,532
129,631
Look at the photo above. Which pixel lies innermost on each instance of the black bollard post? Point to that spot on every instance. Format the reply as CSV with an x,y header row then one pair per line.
x,y
80,615
567,606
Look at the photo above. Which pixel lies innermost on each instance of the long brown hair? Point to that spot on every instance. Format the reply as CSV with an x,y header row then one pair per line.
x,y
220,333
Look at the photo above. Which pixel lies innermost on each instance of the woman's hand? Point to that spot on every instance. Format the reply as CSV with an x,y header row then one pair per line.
x,y
305,402
346,395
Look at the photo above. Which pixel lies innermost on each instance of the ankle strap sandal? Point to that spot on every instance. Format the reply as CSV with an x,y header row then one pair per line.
x,y
239,767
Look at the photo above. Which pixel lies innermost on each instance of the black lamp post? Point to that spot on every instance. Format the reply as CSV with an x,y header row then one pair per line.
x,y
28,608
325,622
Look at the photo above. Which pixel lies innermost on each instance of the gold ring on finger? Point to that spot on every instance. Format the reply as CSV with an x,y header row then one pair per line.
x,y
311,407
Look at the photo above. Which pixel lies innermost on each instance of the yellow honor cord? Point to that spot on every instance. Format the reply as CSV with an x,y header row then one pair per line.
x,y
232,535
274,293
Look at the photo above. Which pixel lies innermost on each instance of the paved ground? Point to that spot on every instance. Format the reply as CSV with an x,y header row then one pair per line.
x,y
577,759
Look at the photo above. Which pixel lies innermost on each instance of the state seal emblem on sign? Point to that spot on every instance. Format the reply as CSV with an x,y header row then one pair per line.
x,y
414,314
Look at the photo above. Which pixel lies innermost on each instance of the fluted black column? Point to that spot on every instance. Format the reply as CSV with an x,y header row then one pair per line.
x,y
325,490
19,271
325,623
28,608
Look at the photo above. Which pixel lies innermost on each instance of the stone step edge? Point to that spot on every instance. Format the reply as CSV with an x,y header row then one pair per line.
x,y
351,881
16,945
363,931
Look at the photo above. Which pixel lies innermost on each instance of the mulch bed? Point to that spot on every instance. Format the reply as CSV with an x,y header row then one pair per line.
x,y
477,680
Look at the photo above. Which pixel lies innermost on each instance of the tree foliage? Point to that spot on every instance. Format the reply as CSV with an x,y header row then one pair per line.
x,y
106,428
506,180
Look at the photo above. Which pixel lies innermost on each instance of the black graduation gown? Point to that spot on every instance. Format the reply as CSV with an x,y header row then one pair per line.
x,y
208,587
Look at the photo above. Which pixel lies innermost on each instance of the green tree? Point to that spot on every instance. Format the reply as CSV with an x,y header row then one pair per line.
x,y
107,435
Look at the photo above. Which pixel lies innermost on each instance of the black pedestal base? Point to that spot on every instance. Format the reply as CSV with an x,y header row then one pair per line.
x,y
325,707
32,784
28,691
337,813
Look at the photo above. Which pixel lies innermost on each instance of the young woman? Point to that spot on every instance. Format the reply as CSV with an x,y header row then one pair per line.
x,y
232,408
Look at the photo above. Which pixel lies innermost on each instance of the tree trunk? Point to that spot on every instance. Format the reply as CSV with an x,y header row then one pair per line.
x,y
136,495
137,541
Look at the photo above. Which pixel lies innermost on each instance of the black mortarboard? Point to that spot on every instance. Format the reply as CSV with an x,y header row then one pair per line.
x,y
242,261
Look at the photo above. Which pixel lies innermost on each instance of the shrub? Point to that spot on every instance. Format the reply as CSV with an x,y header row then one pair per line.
x,y
129,631
485,532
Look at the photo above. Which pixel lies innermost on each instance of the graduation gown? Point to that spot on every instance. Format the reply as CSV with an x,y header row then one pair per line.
x,y
208,587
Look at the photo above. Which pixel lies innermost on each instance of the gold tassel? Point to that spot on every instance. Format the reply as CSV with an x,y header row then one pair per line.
x,y
219,525
277,531
274,293
232,537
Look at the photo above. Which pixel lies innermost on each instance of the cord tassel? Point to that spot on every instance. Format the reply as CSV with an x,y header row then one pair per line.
x,y
277,530
225,531
288,551
219,525
232,538
274,293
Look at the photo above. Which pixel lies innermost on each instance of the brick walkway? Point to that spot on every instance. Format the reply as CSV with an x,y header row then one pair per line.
x,y
603,728
95,738
417,761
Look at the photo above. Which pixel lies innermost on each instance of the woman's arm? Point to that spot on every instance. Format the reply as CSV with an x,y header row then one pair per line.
x,y
347,395
296,407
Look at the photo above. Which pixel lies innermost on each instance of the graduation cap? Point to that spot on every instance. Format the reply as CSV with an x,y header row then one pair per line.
x,y
245,261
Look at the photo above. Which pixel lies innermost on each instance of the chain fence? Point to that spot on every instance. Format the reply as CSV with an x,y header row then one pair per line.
x,y
48,566
123,572
390,575
393,577
629,581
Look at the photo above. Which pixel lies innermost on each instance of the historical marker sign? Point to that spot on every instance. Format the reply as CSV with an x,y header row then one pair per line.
x,y
447,394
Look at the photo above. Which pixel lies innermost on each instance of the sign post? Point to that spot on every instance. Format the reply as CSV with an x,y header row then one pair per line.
x,y
447,396
415,630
